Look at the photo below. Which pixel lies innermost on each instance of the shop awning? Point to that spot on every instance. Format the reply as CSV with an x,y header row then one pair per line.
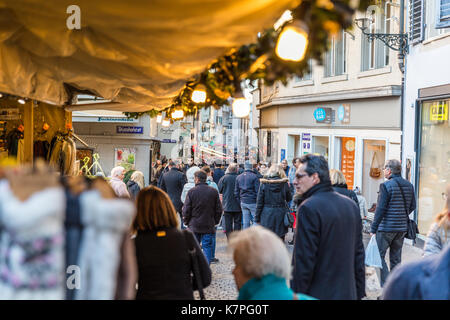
x,y
136,53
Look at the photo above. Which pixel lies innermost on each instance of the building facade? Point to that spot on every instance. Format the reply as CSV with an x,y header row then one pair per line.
x,y
426,143
348,110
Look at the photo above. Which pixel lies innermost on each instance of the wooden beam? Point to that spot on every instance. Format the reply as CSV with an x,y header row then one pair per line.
x,y
28,132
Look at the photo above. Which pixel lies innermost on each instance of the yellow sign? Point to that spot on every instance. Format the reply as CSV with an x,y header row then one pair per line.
x,y
439,111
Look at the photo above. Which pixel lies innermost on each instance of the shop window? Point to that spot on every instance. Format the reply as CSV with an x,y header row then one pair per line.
x,y
375,54
335,62
434,161
374,157
320,146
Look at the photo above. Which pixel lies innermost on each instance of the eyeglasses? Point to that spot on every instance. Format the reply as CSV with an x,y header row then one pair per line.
x,y
300,175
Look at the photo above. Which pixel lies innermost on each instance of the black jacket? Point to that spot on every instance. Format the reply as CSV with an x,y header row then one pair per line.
x,y
390,215
247,186
164,266
173,182
226,188
133,189
272,204
343,189
202,209
328,257
218,173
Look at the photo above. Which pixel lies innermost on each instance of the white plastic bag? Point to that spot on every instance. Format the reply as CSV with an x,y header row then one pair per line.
x,y
373,258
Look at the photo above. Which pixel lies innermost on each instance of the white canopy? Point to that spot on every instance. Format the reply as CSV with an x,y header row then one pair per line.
x,y
135,52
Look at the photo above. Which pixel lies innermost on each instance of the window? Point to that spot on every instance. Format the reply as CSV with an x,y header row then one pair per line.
x,y
443,14
335,62
306,76
431,16
375,54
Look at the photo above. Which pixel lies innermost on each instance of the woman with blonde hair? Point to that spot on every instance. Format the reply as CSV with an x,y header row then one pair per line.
x,y
438,237
135,184
162,250
340,185
272,201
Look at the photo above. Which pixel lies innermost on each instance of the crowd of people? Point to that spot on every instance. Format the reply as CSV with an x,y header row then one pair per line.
x,y
174,220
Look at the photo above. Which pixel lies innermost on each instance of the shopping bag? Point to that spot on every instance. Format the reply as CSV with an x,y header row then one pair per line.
x,y
373,258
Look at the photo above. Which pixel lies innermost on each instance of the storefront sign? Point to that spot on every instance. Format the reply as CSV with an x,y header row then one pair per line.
x,y
323,115
169,141
9,114
130,129
348,160
306,143
269,144
439,111
283,154
114,119
344,113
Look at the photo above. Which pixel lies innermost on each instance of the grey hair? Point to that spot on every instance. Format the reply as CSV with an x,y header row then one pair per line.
x,y
117,171
394,165
232,168
260,252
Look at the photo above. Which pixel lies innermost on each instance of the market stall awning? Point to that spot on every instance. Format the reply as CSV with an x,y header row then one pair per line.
x,y
137,53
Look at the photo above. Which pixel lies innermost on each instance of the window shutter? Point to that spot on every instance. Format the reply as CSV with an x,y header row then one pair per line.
x,y
416,8
444,14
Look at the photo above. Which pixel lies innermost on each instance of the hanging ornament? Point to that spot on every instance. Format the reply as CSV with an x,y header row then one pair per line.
x,y
292,42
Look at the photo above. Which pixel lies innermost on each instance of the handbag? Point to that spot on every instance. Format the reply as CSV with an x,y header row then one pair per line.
x,y
196,278
411,230
375,172
288,218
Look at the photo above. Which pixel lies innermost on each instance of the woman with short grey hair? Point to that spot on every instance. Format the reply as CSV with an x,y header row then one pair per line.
x,y
262,265
116,182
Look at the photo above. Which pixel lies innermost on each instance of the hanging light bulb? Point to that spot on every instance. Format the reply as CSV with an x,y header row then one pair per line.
x,y
241,106
159,118
21,101
199,94
177,114
165,122
292,42
1,95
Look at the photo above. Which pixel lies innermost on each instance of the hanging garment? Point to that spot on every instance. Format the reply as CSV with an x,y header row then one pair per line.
x,y
105,222
32,245
12,142
40,149
63,155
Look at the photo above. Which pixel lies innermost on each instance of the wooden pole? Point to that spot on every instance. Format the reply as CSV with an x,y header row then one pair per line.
x,y
28,132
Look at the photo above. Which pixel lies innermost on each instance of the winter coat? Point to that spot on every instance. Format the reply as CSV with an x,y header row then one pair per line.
x,y
247,187
390,215
173,182
343,189
217,174
119,187
210,182
105,222
202,209
269,287
272,204
425,279
226,188
133,189
437,239
328,257
32,262
164,265
190,182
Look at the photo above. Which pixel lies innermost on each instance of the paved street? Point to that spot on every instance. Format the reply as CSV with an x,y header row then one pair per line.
x,y
224,288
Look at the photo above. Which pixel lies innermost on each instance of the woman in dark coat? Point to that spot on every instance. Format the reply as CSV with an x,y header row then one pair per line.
x,y
272,201
164,264
340,185
135,184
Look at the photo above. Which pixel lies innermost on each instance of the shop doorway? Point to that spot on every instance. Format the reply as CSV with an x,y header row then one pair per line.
x,y
293,147
374,158
344,158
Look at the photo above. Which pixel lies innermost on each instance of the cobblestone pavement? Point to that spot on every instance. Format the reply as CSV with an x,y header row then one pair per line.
x,y
223,286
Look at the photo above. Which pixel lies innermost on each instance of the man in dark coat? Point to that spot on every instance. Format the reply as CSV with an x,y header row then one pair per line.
x,y
246,192
391,216
425,279
328,257
173,182
202,211
218,173
231,207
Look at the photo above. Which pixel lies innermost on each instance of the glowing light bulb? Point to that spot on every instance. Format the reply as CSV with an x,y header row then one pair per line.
x,y
292,43
241,107
199,94
178,114
21,101
159,118
165,122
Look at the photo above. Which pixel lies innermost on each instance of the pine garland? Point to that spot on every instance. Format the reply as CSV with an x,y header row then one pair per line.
x,y
258,61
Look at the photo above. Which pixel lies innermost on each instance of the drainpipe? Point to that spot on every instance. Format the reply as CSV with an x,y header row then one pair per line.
x,y
402,96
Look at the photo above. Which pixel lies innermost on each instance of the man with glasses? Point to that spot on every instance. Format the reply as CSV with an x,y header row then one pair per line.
x,y
396,200
328,257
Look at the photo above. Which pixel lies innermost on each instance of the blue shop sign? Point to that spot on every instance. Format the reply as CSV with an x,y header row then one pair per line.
x,y
130,129
319,114
341,112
